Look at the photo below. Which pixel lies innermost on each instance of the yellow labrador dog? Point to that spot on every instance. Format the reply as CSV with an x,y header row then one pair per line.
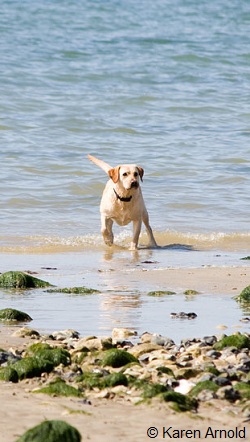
x,y
122,202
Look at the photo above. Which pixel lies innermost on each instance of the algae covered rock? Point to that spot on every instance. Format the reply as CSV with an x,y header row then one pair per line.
x,y
8,374
31,367
10,314
20,280
117,358
244,296
190,292
74,290
51,431
151,390
58,387
159,293
237,340
203,385
180,402
114,379
44,352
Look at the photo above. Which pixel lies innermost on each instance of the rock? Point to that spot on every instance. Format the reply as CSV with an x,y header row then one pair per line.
x,y
20,280
228,393
117,358
184,386
92,343
205,385
8,374
162,340
121,334
191,292
237,340
44,352
58,387
209,340
8,357
140,349
183,315
206,395
10,314
73,290
65,334
51,431
244,296
31,367
26,331
180,402
160,293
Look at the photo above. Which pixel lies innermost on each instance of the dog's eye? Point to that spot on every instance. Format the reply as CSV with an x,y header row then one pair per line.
x,y
125,174
135,174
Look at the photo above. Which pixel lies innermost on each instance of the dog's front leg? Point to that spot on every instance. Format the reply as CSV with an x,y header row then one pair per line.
x,y
106,230
136,234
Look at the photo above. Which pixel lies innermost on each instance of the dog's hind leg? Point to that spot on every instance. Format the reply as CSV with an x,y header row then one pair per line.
x,y
145,219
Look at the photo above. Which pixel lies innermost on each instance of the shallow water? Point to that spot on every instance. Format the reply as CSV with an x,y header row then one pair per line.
x,y
123,300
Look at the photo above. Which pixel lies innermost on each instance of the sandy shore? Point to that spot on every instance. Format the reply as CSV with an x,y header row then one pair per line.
x,y
107,420
118,419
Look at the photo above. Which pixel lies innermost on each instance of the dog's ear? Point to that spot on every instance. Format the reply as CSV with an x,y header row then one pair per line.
x,y
141,171
114,173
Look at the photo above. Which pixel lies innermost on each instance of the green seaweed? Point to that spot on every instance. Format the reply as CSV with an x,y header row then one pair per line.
x,y
245,258
159,293
10,314
203,385
244,296
58,387
74,290
8,374
20,280
90,380
237,340
44,352
151,390
165,370
244,389
51,431
117,358
114,379
180,402
31,367
190,292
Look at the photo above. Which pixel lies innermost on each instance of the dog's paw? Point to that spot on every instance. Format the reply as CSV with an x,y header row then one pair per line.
x,y
133,246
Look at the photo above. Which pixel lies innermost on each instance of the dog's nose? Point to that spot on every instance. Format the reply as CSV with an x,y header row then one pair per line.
x,y
134,184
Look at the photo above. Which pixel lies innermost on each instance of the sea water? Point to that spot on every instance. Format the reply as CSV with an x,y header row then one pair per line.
x,y
162,84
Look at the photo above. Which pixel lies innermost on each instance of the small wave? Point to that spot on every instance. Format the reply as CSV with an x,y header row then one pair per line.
x,y
233,241
169,239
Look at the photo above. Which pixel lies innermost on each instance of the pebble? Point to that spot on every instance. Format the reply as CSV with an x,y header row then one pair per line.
x,y
160,361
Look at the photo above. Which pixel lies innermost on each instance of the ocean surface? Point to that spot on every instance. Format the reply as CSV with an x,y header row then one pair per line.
x,y
163,84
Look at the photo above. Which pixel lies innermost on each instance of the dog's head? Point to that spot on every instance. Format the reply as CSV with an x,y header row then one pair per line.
x,y
128,175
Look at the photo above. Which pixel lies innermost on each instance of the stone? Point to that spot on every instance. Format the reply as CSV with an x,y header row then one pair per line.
x,y
121,334
51,431
20,280
10,314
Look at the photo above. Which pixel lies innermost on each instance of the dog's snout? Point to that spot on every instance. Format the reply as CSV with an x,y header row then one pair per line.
x,y
134,184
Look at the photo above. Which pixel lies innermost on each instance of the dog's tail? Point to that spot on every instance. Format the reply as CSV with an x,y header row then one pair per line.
x,y
104,166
